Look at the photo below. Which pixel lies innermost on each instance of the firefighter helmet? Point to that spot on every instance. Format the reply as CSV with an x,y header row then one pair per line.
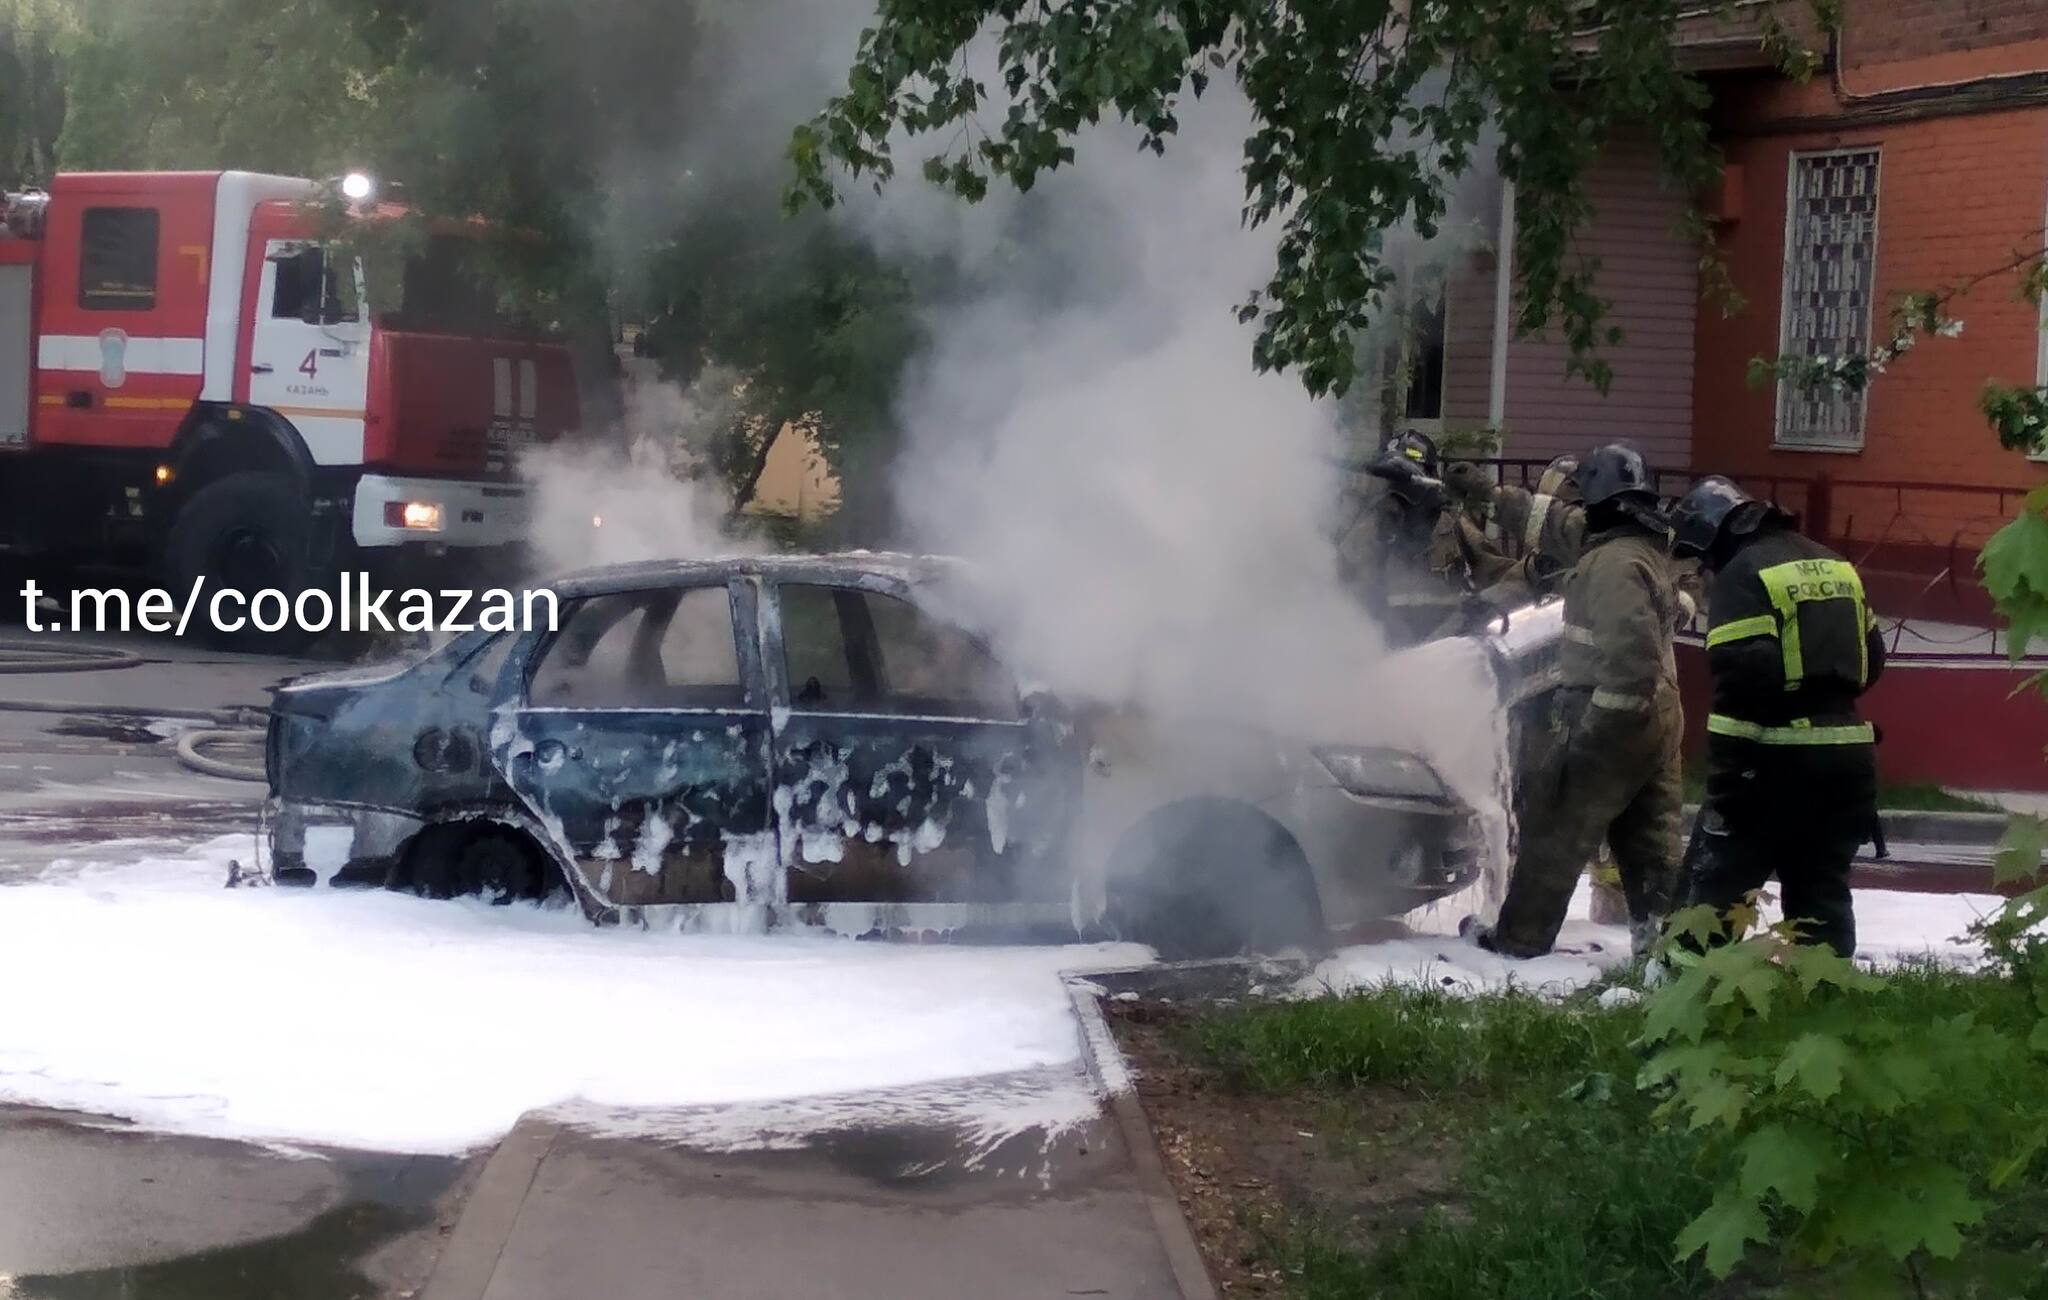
x,y
1419,448
1615,472
1407,479
1557,478
1714,505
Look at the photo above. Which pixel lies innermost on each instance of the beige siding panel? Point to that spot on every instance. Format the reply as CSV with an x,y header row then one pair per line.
x,y
1651,274
1468,344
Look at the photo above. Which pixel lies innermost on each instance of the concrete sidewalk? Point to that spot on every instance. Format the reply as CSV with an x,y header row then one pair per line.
x,y
867,1214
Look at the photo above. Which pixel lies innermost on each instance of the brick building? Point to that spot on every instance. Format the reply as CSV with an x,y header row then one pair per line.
x,y
1916,157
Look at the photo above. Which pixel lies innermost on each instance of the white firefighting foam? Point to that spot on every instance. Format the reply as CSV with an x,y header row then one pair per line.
x,y
144,990
1890,927
376,1020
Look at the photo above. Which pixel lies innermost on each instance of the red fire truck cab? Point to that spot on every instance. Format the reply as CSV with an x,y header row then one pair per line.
x,y
191,378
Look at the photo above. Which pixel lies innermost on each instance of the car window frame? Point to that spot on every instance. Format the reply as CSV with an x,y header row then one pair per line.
x,y
775,655
742,602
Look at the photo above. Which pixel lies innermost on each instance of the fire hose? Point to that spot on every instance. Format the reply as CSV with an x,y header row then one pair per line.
x,y
230,726
188,753
48,657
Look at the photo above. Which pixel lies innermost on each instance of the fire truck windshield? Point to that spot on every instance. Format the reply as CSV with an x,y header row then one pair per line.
x,y
445,288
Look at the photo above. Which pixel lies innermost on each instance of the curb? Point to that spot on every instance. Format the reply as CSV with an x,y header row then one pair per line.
x,y
1959,829
1970,828
1112,1076
482,1230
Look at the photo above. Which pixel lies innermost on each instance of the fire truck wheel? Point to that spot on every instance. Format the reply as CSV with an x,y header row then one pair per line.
x,y
247,532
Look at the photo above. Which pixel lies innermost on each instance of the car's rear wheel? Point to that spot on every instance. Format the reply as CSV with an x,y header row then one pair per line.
x,y
492,862
1212,878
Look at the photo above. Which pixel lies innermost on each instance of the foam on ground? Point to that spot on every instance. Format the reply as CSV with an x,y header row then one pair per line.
x,y
367,1019
1891,927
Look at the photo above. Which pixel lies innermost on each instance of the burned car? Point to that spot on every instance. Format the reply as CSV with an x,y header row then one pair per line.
x,y
824,741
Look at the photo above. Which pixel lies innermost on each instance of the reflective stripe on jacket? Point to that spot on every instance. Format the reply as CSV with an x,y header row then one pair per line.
x,y
1791,644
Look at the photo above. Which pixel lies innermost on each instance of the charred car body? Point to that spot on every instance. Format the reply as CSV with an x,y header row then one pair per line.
x,y
821,741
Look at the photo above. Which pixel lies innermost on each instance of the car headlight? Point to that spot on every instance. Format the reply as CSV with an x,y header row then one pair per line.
x,y
1383,773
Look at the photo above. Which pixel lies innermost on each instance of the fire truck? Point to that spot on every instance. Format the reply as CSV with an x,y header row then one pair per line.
x,y
199,377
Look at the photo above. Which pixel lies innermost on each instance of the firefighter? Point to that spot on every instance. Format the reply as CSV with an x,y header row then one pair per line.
x,y
1516,544
1388,552
1616,722
1791,771
1466,552
1546,529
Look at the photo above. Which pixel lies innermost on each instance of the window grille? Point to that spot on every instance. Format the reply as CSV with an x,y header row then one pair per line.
x,y
1830,266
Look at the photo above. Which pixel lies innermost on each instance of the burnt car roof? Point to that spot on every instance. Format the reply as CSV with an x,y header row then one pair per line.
x,y
838,566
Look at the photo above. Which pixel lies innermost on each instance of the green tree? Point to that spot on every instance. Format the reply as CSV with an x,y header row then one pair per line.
x,y
1363,113
32,35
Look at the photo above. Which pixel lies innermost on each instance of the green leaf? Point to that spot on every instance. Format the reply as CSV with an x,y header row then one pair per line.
x,y
2038,1040
1597,1089
1678,1009
1744,970
1724,1232
2017,1165
1944,1207
1815,965
1786,1161
1719,1101
1692,1065
1816,1061
2020,849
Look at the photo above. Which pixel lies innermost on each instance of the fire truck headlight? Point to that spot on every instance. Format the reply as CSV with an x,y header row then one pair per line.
x,y
419,516
357,186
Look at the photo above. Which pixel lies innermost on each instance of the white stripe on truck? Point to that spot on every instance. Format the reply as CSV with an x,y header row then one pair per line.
x,y
125,353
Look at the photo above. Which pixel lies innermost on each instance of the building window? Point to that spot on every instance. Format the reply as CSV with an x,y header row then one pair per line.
x,y
1830,267
117,259
1425,363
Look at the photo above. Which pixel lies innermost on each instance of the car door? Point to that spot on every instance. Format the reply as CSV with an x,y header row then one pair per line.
x,y
906,768
640,739
309,355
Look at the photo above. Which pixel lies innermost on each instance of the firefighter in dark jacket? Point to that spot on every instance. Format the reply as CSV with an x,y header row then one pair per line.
x,y
1616,722
1388,553
1791,771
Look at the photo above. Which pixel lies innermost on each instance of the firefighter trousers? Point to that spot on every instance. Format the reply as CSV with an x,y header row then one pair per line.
x,y
1619,785
1796,812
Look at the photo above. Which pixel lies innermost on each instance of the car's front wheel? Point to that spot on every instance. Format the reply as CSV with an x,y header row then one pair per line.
x,y
1212,878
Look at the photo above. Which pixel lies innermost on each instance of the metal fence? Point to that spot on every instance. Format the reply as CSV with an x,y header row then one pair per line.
x,y
1916,545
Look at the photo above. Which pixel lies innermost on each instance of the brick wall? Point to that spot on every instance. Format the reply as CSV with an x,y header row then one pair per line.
x,y
1880,32
1956,196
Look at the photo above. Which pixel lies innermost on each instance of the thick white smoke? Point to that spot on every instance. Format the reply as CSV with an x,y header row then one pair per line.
x,y
613,503
1156,516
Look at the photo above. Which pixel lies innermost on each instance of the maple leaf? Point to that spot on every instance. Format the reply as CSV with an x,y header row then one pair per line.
x,y
1719,1101
1817,1062
1723,1232
1786,1161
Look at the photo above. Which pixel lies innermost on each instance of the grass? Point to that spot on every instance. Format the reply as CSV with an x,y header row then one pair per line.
x,y
1904,796
1568,1186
